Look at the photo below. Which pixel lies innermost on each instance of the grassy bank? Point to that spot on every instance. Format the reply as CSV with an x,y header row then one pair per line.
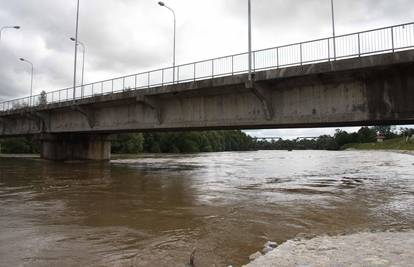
x,y
392,144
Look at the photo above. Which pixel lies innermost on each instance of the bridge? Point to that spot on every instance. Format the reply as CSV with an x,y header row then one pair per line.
x,y
369,80
274,138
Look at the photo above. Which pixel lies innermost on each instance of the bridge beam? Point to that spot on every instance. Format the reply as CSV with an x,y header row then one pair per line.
x,y
264,93
64,147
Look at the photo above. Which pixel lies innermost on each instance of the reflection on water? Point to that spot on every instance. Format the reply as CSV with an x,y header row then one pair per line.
x,y
154,210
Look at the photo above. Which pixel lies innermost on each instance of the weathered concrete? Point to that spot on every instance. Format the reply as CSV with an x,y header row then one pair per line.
x,y
75,147
364,249
360,91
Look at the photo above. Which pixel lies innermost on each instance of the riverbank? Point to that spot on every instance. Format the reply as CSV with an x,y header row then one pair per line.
x,y
363,249
397,144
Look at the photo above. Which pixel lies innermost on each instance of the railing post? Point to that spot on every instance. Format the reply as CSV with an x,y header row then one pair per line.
x,y
112,85
301,56
135,82
212,68
149,79
254,62
162,78
277,56
123,84
329,50
359,45
101,88
178,74
194,66
232,65
92,88
392,39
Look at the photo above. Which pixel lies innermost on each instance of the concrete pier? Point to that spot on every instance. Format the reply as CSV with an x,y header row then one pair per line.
x,y
63,147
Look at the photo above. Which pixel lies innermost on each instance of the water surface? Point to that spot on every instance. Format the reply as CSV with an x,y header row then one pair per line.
x,y
153,210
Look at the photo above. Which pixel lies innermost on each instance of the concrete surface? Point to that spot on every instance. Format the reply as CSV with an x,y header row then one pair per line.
x,y
363,249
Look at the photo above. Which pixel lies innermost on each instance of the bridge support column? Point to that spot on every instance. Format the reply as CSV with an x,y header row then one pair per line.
x,y
63,147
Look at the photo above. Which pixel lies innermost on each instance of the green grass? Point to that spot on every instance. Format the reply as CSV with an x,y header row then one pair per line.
x,y
391,144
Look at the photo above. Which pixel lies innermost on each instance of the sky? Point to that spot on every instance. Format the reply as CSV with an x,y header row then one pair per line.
x,y
129,36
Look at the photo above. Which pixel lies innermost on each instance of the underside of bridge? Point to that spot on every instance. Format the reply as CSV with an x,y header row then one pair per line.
x,y
372,90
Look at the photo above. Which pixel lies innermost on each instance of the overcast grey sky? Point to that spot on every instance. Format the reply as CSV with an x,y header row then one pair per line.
x,y
129,36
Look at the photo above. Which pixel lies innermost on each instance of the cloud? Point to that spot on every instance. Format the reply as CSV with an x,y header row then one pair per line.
x,y
128,36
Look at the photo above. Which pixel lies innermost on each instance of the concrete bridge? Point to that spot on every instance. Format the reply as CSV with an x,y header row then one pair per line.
x,y
361,90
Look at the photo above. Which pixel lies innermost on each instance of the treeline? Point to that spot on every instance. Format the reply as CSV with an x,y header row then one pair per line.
x,y
174,142
19,145
216,141
182,142
336,142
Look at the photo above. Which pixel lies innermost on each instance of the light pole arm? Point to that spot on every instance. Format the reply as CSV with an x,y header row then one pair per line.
x,y
3,28
82,45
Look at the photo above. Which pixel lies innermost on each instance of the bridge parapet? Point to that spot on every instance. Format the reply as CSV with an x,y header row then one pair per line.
x,y
355,45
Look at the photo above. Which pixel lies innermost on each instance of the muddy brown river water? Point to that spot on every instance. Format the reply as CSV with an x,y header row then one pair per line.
x,y
153,210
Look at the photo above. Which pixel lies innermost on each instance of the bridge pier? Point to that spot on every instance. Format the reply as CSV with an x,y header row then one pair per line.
x,y
63,147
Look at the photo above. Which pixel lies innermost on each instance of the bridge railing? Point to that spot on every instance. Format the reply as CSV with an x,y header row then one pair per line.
x,y
377,41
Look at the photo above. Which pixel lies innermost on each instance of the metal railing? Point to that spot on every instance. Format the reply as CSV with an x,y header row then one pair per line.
x,y
377,41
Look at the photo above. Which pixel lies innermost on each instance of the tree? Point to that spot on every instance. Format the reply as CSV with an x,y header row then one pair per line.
x,y
386,130
43,99
128,144
367,135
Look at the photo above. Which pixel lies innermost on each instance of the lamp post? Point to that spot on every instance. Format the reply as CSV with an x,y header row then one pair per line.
x,y
175,31
8,27
250,38
83,59
333,27
31,80
76,50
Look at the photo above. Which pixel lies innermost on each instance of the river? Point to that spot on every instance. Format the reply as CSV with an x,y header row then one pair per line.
x,y
153,210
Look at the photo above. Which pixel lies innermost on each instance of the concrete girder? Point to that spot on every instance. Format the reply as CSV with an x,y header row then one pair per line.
x,y
39,118
88,113
153,103
263,92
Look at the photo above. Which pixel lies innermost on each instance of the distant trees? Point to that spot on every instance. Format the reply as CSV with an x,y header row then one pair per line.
x,y
182,142
407,132
367,135
23,145
336,142
193,142
127,143
217,141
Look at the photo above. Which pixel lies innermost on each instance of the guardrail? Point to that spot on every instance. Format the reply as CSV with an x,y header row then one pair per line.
x,y
377,41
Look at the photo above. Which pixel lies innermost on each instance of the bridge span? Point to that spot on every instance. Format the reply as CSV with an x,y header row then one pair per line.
x,y
363,90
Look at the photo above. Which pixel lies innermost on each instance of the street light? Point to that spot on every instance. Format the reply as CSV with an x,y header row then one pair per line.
x,y
31,80
175,30
333,26
8,27
76,50
83,59
250,38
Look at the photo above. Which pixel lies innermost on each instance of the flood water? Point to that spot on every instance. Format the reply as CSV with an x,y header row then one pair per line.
x,y
153,210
